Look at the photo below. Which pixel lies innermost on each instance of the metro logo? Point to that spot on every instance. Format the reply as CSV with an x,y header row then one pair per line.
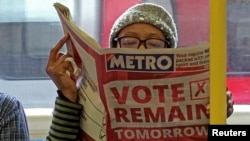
x,y
138,62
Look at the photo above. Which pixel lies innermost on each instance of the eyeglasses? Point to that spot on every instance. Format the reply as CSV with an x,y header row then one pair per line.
x,y
134,42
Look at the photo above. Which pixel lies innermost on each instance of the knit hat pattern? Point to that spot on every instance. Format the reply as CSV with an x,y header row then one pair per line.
x,y
146,13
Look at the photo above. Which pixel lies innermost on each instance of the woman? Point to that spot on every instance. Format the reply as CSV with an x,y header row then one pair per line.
x,y
127,32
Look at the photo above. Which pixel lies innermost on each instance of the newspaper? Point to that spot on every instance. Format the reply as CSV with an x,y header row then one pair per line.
x,y
139,95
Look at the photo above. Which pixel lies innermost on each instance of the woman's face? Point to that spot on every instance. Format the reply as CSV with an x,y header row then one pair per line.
x,y
141,31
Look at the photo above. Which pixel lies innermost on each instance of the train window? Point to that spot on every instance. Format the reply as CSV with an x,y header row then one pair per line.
x,y
238,46
238,37
28,30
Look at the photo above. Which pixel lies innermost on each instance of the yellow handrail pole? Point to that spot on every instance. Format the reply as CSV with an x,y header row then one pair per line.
x,y
218,61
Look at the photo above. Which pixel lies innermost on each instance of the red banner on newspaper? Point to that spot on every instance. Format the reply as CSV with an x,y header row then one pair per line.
x,y
142,95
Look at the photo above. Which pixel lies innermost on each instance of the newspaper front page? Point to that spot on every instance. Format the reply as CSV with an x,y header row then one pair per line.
x,y
140,95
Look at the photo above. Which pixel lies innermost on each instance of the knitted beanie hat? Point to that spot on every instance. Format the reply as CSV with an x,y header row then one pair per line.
x,y
146,13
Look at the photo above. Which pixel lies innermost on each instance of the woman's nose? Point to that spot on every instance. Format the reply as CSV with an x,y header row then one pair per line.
x,y
142,46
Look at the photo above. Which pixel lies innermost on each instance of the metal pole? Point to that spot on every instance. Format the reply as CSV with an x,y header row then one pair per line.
x,y
218,61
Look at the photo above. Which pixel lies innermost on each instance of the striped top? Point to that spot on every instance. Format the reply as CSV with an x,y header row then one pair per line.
x,y
65,124
13,122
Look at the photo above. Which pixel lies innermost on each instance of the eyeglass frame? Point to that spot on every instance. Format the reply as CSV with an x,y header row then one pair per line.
x,y
167,43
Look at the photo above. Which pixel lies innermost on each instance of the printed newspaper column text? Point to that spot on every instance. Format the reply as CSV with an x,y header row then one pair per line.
x,y
228,131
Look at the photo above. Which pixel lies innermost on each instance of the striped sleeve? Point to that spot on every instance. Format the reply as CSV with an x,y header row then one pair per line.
x,y
65,122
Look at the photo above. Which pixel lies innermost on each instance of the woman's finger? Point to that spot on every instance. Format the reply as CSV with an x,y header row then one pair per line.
x,y
55,50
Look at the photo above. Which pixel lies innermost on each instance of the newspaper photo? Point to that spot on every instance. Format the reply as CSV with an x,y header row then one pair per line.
x,y
139,95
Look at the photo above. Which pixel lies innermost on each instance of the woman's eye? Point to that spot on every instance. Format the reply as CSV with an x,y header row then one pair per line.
x,y
129,43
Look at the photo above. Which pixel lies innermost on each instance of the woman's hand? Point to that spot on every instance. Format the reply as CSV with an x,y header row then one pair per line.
x,y
230,104
57,68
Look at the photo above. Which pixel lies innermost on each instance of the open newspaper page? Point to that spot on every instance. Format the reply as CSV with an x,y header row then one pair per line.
x,y
142,95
